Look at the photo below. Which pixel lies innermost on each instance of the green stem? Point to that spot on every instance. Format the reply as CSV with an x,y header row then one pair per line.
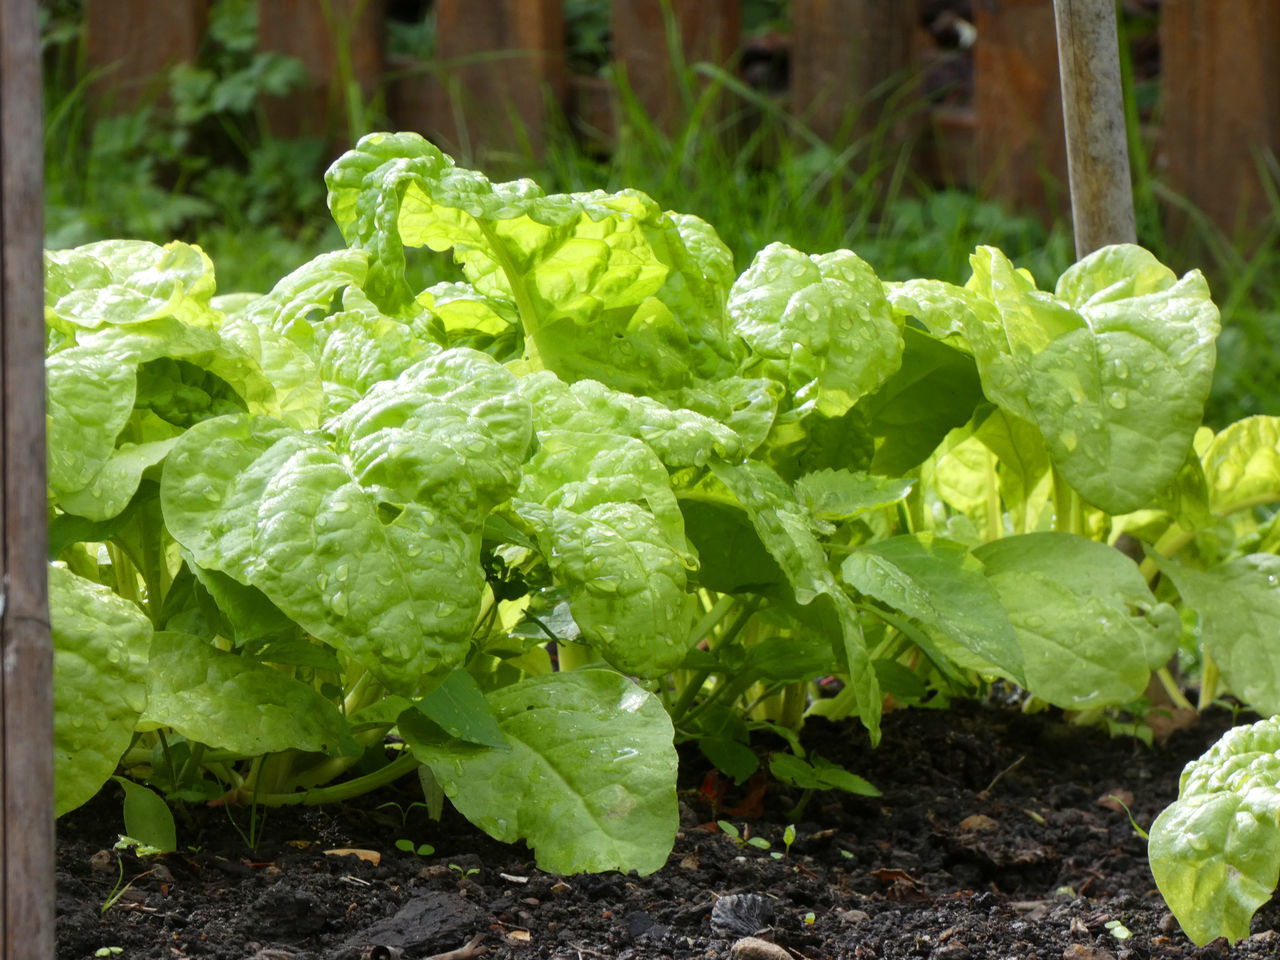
x,y
995,519
1208,680
524,305
1171,688
1170,542
690,692
346,790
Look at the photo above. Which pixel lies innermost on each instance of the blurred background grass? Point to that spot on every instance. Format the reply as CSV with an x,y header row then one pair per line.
x,y
194,160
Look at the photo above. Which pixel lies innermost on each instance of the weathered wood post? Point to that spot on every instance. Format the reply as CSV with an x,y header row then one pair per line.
x,y
26,680
1093,113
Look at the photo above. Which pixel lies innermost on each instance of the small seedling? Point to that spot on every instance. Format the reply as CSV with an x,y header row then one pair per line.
x,y
108,951
464,874
744,838
407,846
1118,930
788,838
402,810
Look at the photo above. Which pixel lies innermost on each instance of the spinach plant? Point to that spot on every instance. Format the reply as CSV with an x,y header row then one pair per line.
x,y
600,493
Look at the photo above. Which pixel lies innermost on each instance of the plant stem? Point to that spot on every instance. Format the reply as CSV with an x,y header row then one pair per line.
x,y
1171,688
690,692
346,790
1208,680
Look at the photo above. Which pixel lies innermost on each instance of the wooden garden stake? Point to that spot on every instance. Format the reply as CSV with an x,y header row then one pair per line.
x,y
1093,111
26,679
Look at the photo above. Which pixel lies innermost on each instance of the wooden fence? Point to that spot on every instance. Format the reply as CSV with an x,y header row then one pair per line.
x,y
497,63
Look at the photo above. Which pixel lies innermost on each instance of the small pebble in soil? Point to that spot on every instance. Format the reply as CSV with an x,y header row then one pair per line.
x,y
753,948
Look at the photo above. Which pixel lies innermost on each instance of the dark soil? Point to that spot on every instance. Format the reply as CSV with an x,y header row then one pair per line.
x,y
994,839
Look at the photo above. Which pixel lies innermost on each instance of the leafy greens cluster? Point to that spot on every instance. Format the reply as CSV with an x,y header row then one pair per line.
x,y
601,494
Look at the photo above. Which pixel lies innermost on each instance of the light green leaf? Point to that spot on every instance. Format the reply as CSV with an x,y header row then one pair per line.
x,y
1115,375
588,779
819,324
941,584
100,644
234,703
1215,851
1089,628
610,528
1242,465
604,285
279,510
680,438
1238,604
842,494
122,282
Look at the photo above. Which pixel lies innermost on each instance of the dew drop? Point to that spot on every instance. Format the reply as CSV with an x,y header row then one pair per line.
x,y
339,604
211,494
1117,399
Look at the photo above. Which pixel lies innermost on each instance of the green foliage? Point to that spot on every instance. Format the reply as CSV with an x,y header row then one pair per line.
x,y
1215,852
601,495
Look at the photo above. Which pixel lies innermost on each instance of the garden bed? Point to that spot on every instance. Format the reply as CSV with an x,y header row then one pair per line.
x,y
994,837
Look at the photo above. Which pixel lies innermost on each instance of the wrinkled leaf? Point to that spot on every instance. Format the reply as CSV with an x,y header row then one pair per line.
x,y
588,779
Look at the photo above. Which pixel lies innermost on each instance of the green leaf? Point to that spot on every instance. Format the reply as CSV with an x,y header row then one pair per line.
x,y
844,494
680,438
819,324
818,774
124,282
784,529
588,779
100,644
1114,370
935,390
147,817
1242,465
941,584
1081,611
609,526
229,701
606,286
1215,851
459,708
731,558
1238,603
280,510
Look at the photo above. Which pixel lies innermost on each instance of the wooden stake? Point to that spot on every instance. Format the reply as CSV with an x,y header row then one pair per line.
x,y
1093,113
26,677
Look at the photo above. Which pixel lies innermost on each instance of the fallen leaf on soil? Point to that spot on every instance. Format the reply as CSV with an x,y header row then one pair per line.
x,y
978,823
1080,951
1116,800
369,856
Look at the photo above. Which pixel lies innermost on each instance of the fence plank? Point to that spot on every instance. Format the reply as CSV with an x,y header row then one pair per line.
x,y
849,60
26,655
132,43
1019,142
706,31
1220,81
499,61
340,44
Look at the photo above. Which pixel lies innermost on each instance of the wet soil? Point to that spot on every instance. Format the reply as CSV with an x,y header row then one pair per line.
x,y
994,838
